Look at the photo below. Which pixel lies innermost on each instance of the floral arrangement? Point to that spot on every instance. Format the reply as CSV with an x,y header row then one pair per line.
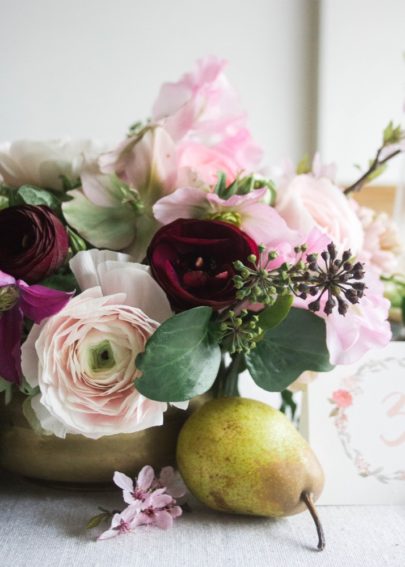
x,y
147,274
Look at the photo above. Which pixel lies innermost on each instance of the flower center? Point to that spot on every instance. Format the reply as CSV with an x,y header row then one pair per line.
x,y
9,295
200,271
101,357
226,216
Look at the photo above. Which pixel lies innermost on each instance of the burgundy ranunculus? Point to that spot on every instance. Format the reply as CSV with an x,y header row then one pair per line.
x,y
192,260
33,242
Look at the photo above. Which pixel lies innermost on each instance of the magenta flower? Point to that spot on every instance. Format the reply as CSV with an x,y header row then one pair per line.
x,y
18,299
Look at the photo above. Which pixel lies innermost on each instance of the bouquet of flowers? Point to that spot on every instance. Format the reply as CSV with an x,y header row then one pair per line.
x,y
147,274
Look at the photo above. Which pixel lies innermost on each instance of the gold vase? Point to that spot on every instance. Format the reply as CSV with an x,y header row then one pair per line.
x,y
78,460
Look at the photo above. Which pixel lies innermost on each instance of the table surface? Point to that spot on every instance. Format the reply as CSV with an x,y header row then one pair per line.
x,y
45,527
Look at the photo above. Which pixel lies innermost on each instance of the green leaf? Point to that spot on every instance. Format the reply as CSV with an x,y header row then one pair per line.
x,y
4,202
274,314
181,359
220,187
303,166
391,134
31,195
62,282
95,521
296,345
77,244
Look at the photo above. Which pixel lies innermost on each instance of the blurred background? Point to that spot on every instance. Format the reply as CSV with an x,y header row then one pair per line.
x,y
313,74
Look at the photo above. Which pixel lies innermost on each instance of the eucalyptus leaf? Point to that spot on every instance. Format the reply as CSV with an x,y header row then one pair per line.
x,y
274,314
181,359
31,195
296,345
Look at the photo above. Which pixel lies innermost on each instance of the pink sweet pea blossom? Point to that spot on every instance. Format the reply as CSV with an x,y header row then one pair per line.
x,y
249,212
202,102
18,299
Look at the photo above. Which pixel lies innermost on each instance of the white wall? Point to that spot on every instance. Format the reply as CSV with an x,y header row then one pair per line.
x,y
91,67
362,80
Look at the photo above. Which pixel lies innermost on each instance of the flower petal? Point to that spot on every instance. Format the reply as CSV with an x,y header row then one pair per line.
x,y
123,481
145,478
38,302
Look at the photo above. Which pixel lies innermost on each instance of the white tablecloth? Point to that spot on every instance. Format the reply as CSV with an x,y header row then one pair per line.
x,y
44,527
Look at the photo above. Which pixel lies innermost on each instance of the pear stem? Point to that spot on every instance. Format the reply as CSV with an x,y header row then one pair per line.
x,y
307,499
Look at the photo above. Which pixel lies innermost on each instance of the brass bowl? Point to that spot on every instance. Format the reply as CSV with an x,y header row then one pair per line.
x,y
77,460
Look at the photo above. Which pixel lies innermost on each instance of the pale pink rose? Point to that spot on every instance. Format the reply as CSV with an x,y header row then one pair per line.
x,y
202,102
307,202
342,398
249,212
82,360
382,244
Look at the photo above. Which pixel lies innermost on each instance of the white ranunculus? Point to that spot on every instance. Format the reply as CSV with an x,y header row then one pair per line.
x,y
42,163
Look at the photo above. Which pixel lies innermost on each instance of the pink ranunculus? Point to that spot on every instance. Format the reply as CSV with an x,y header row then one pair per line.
x,y
342,398
202,103
82,360
307,202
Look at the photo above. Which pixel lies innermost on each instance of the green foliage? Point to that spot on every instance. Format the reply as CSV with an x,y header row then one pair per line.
x,y
181,359
296,345
274,314
97,520
31,195
303,166
392,134
77,244
63,280
220,188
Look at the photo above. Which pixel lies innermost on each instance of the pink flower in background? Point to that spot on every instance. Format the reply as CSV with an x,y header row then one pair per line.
x,y
19,300
201,104
382,245
342,398
307,202
232,156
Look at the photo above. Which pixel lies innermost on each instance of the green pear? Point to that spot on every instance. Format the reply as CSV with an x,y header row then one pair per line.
x,y
242,456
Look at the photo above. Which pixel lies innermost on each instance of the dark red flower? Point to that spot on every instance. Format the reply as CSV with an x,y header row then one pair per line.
x,y
192,260
33,242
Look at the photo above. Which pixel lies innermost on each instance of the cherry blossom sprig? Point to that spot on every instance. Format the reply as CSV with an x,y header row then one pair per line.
x,y
151,500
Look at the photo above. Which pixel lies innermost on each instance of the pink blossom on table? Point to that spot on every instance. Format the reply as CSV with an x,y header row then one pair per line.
x,y
19,300
172,481
382,244
249,212
136,493
342,398
160,513
122,523
201,104
307,202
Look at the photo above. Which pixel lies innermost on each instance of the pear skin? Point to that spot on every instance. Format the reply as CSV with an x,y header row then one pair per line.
x,y
242,456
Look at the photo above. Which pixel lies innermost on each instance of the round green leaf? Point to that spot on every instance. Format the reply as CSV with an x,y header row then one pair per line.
x,y
181,359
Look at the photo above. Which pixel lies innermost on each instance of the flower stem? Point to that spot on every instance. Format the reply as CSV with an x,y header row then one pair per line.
x,y
307,499
376,163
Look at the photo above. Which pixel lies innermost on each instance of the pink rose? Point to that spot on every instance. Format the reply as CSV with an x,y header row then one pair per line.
x,y
307,202
342,398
